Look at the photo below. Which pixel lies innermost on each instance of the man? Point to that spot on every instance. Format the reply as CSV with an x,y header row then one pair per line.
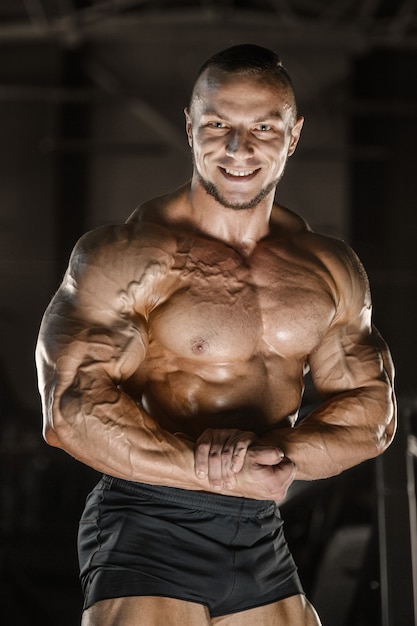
x,y
172,359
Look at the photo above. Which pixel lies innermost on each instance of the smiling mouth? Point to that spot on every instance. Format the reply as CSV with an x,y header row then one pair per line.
x,y
238,174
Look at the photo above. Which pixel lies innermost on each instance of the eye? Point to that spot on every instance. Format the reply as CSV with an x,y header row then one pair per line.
x,y
263,127
216,124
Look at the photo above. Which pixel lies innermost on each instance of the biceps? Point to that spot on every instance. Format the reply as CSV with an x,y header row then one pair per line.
x,y
346,361
69,347
118,352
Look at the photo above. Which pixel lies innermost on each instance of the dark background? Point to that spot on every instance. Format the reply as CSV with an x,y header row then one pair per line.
x,y
91,125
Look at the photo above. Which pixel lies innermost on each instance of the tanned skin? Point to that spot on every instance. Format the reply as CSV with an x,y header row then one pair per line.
x,y
175,350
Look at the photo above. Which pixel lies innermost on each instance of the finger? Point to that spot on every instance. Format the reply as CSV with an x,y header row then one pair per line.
x,y
208,458
201,454
242,441
238,457
289,469
286,467
286,471
228,475
276,478
220,454
215,474
234,451
219,459
266,455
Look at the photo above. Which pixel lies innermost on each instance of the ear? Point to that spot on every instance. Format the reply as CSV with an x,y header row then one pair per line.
x,y
295,135
188,126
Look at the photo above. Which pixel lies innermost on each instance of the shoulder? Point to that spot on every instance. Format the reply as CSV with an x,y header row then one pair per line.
x,y
129,236
333,258
283,219
347,275
113,246
115,266
335,255
163,210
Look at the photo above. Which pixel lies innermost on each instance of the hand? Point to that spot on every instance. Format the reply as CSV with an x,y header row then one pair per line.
x,y
232,461
266,475
220,454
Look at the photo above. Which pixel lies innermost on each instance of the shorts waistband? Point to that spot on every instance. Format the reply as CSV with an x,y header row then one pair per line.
x,y
201,500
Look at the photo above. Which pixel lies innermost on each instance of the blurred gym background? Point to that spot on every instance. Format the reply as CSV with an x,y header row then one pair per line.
x,y
91,124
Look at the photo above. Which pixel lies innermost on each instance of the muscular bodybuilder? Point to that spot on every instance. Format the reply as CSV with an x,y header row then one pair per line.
x,y
172,360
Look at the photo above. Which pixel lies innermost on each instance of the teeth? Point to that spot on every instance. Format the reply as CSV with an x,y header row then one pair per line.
x,y
239,173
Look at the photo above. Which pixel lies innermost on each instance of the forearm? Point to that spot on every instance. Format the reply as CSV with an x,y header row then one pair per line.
x,y
104,428
116,437
340,434
101,426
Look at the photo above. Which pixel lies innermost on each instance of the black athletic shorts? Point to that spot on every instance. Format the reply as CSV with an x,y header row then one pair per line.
x,y
224,552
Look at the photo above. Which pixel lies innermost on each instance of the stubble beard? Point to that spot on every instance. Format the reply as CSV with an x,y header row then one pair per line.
x,y
211,189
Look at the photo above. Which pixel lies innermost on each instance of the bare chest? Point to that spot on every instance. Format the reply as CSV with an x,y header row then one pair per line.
x,y
223,308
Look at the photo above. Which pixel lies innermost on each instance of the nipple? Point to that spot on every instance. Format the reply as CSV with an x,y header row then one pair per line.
x,y
200,346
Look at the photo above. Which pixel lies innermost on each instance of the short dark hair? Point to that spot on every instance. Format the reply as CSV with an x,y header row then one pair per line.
x,y
250,60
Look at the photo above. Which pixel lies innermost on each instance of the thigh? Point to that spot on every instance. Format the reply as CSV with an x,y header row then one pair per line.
x,y
292,611
145,611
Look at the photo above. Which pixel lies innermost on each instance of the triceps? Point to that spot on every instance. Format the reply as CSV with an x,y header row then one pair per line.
x,y
80,365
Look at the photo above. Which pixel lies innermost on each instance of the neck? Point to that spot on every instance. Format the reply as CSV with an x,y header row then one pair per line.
x,y
241,228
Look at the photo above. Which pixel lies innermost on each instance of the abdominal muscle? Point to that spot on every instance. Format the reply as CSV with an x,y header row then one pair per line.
x,y
189,397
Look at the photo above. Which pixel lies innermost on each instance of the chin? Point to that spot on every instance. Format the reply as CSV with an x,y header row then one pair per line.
x,y
237,202
244,202
240,204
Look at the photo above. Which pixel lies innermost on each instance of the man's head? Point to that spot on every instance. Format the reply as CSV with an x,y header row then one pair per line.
x,y
250,61
242,125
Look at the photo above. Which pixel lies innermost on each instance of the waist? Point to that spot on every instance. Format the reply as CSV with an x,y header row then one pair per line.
x,y
188,499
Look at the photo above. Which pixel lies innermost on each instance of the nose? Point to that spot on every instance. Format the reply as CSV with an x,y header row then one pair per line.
x,y
238,145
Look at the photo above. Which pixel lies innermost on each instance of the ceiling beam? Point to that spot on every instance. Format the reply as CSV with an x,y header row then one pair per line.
x,y
343,23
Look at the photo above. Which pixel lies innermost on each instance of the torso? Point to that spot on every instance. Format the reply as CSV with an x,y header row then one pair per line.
x,y
230,335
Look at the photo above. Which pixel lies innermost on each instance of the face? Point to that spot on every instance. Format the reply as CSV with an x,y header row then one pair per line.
x,y
242,131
